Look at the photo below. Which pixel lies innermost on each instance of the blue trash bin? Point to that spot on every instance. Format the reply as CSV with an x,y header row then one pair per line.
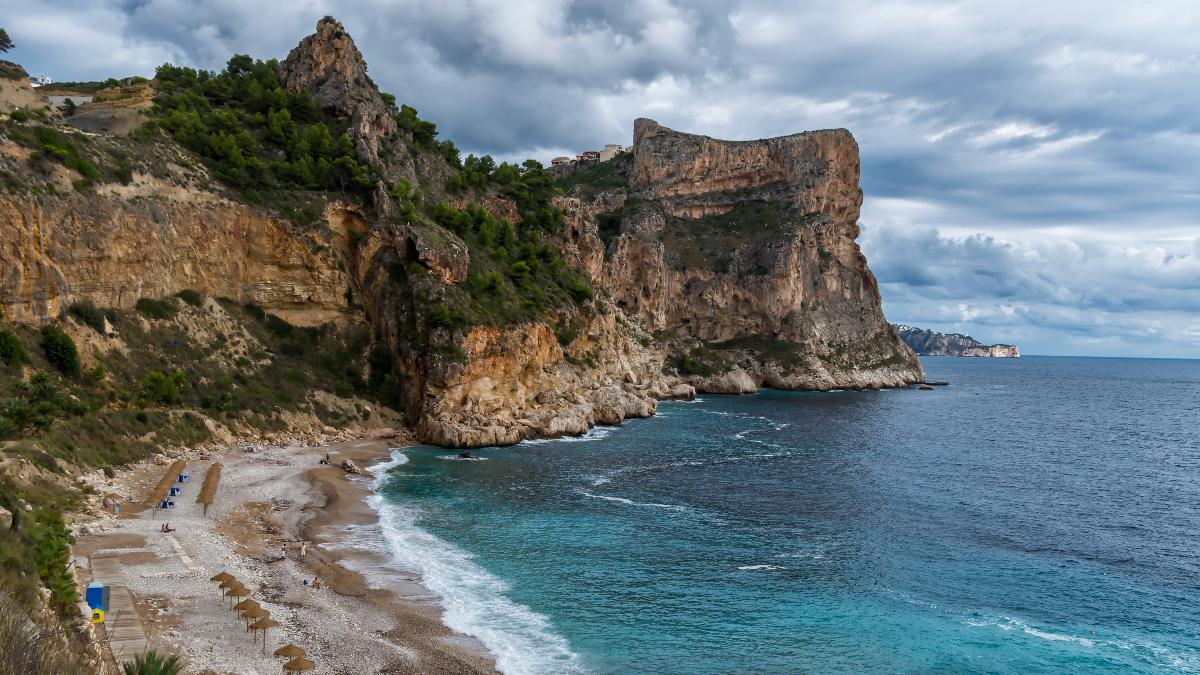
x,y
97,596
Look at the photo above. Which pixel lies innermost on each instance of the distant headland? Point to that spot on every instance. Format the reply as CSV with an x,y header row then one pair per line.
x,y
931,343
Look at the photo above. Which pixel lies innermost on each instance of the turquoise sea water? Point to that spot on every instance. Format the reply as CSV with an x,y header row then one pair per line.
x,y
1038,515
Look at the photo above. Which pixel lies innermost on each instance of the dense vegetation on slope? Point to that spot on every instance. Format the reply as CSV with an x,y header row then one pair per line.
x,y
255,134
600,176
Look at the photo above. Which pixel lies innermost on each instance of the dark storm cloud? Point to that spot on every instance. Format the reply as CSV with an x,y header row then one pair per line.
x,y
1063,134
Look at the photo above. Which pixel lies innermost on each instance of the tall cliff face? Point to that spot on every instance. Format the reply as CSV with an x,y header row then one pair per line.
x,y
745,249
115,247
724,266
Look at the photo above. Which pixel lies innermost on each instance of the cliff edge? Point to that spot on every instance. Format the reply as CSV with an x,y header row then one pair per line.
x,y
740,256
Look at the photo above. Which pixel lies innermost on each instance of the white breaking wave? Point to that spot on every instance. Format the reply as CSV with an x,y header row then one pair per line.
x,y
522,640
593,434
630,502
1010,624
749,568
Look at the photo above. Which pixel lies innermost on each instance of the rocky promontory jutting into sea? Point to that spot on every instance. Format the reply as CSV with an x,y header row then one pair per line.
x,y
504,306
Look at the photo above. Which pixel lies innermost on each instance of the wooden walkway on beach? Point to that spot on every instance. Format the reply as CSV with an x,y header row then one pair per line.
x,y
126,636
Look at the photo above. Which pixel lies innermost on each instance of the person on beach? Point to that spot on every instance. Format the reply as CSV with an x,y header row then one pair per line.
x,y
116,507
316,582
303,549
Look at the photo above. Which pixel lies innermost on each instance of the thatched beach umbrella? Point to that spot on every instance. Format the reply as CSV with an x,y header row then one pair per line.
x,y
221,576
290,651
298,665
236,592
228,584
254,613
264,625
246,604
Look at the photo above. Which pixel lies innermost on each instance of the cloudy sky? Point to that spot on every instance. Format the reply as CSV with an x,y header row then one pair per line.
x,y
1030,168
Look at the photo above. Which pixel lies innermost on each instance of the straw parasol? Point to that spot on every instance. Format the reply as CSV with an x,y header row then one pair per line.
x,y
298,664
221,576
255,613
246,604
264,625
228,584
236,592
290,651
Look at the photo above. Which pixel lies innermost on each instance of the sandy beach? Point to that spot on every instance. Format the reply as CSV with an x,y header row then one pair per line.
x,y
270,502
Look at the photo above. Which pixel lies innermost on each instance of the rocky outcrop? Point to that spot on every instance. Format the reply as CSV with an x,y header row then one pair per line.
x,y
749,248
520,383
932,343
328,65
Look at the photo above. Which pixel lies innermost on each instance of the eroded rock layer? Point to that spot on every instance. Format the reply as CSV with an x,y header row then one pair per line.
x,y
116,249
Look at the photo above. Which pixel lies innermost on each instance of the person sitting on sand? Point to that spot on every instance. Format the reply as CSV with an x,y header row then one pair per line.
x,y
166,527
316,582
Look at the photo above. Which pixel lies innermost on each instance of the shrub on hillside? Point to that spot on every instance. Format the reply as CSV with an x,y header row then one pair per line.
x,y
60,350
89,314
11,351
158,387
190,297
155,309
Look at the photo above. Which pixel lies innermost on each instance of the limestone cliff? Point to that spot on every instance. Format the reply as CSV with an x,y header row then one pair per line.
x,y
115,247
718,265
741,256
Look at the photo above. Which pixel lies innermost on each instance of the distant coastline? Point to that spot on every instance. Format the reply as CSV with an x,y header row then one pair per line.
x,y
932,343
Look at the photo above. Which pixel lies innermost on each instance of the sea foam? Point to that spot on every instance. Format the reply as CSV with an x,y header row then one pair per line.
x,y
475,602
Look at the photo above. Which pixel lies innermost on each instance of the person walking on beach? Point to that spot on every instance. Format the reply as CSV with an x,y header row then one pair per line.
x,y
116,507
303,549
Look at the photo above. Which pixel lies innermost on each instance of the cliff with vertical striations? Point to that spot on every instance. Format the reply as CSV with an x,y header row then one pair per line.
x,y
741,257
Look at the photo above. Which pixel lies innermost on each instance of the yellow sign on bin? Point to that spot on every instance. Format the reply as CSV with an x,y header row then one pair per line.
x,y
97,616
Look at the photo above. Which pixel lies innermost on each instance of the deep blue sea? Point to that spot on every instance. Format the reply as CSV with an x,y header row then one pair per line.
x,y
1038,515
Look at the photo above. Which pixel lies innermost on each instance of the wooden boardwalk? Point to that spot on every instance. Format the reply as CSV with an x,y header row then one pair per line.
x,y
126,636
